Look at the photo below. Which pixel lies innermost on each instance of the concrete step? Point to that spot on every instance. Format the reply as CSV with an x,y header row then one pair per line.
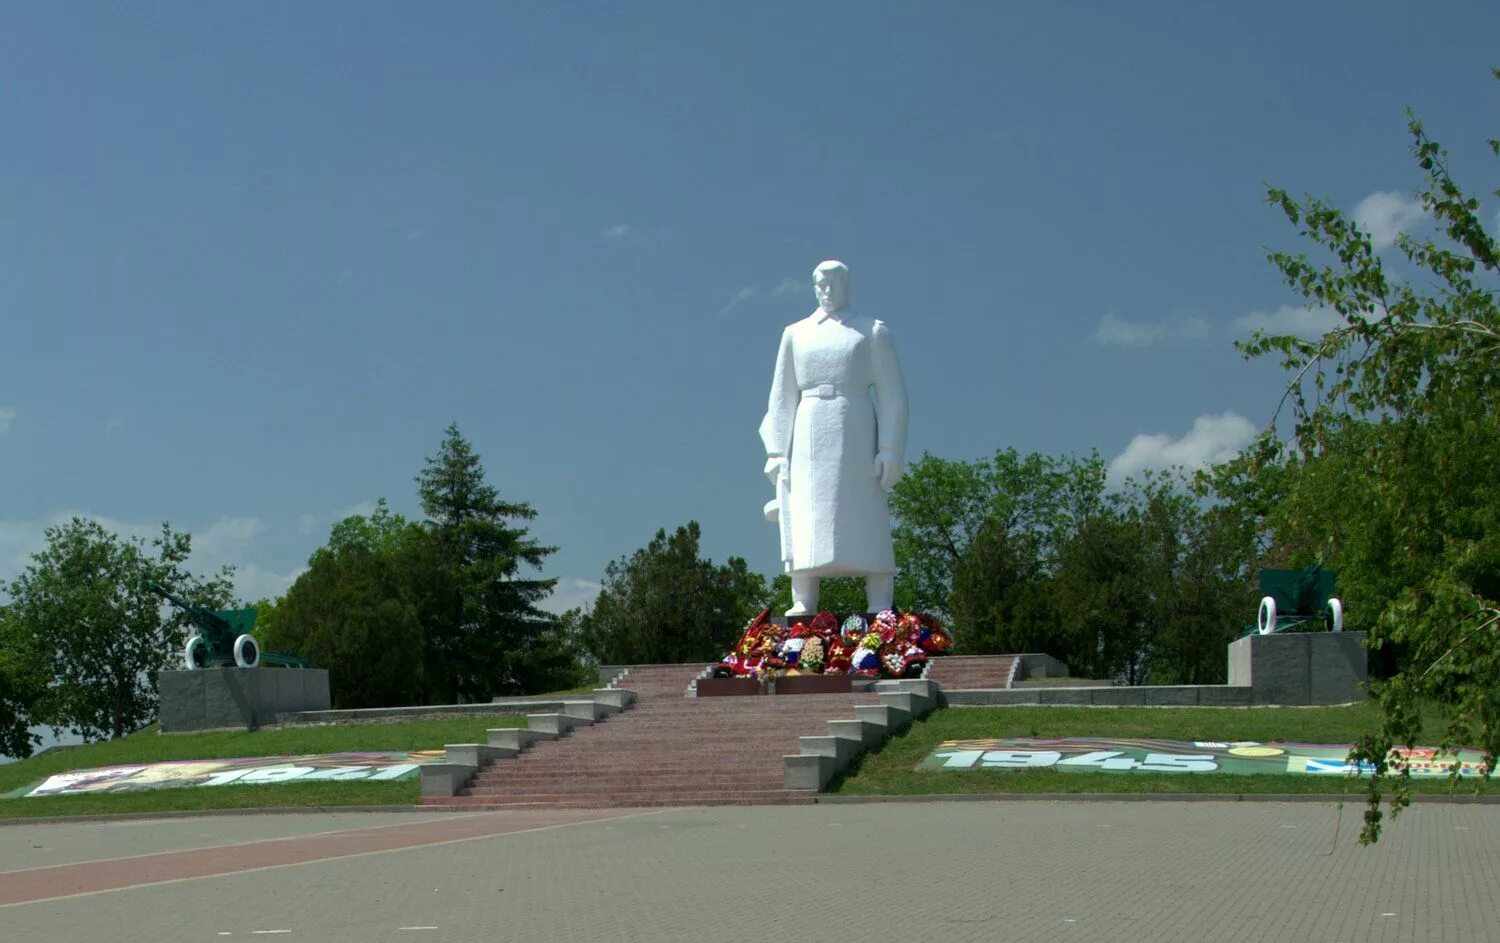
x,y
660,784
778,797
659,760
640,796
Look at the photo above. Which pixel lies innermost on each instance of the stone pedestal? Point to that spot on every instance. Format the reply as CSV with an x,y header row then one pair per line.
x,y
1298,668
238,698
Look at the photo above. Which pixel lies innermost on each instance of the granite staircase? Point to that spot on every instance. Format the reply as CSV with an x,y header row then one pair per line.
x,y
668,749
964,672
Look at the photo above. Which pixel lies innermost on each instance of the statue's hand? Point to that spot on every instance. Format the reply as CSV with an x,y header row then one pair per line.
x,y
888,469
775,465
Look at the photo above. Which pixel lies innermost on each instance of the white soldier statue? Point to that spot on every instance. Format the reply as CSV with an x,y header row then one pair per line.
x,y
835,433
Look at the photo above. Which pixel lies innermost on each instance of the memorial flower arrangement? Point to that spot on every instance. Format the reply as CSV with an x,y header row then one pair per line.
x,y
811,661
894,645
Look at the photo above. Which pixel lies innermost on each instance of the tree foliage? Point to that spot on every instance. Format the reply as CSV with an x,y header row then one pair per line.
x,y
23,678
664,603
1036,554
940,505
84,637
483,625
437,611
1389,477
355,613
844,595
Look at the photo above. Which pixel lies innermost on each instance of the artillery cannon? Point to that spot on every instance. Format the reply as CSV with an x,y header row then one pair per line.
x,y
221,637
1298,601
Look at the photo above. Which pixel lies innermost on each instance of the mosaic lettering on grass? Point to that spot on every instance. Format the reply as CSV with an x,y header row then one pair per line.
x,y
256,770
1134,755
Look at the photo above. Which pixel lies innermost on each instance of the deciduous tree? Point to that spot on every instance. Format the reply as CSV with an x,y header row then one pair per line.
x,y
93,638
664,603
1400,401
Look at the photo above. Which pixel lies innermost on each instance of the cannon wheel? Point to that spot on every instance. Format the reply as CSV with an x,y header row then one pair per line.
x,y
195,653
1336,614
1265,620
246,651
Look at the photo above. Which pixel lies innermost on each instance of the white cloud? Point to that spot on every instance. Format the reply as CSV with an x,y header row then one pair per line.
x,y
7,416
1212,439
571,592
1115,331
363,509
1289,319
252,582
20,539
228,540
617,231
744,294
414,235
1385,214
789,286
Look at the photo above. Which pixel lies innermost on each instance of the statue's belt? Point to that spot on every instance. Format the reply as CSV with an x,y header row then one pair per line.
x,y
835,390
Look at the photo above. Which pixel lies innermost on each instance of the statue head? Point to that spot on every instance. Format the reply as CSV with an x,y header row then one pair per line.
x,y
831,285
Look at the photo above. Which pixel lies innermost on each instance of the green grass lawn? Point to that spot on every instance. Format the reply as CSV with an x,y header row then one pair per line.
x,y
149,746
889,769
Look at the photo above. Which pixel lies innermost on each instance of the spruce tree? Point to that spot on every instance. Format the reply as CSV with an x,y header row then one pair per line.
x,y
484,633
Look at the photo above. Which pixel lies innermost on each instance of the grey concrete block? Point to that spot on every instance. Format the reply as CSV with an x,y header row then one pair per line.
x,y
476,754
922,687
316,694
1038,665
1225,695
841,750
1172,695
1301,667
998,697
239,698
585,712
181,700
1074,696
877,714
1116,697
904,701
226,699
900,718
1340,667
515,738
1239,661
863,732
807,771
445,779
925,695
555,724
1280,667
616,698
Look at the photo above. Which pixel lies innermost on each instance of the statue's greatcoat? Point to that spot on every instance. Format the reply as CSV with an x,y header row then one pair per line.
x,y
822,417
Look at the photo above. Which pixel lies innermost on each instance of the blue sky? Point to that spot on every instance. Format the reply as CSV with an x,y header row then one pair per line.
x,y
254,259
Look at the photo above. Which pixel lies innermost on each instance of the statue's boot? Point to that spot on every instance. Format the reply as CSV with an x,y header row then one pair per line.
x,y
804,595
880,591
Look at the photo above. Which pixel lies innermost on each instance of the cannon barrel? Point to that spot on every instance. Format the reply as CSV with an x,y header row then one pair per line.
x,y
205,619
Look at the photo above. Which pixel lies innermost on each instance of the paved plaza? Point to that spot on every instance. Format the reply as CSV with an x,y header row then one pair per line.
x,y
991,871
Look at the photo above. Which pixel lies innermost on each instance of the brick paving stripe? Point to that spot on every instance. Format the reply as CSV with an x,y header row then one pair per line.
x,y
35,884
